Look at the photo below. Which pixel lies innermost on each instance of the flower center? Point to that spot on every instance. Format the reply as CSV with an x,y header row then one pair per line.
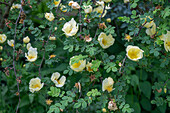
x,y
168,43
109,88
134,53
31,57
36,86
104,42
76,65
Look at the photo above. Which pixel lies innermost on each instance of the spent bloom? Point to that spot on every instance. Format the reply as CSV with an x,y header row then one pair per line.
x,y
148,24
49,16
107,84
35,84
10,43
78,66
48,101
26,39
70,28
3,38
134,53
112,105
58,82
88,67
78,86
63,8
15,6
32,54
127,37
105,41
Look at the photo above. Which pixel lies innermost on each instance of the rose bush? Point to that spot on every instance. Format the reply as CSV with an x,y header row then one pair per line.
x,y
84,56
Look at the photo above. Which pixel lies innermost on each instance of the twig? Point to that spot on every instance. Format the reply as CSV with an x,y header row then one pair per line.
x,y
122,65
14,59
80,19
44,49
6,14
4,3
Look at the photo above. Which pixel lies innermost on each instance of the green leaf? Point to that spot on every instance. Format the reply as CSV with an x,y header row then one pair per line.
x,y
77,105
95,65
145,87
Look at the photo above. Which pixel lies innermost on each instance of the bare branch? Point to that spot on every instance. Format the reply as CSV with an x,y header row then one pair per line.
x,y
4,3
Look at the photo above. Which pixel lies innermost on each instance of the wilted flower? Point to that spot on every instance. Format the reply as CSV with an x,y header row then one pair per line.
x,y
32,54
49,16
87,38
107,84
78,86
10,43
126,1
127,37
102,25
58,82
151,31
26,39
35,84
88,67
74,5
78,66
28,46
112,105
52,56
3,38
57,2
48,101
52,38
105,41
134,53
88,9
70,28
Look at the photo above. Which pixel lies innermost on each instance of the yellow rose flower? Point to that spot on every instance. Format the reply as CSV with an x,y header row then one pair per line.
x,y
63,8
10,43
167,41
58,82
52,38
105,41
134,53
88,9
148,24
127,37
15,6
3,38
78,67
28,46
126,1
107,84
107,1
26,39
88,67
49,16
151,31
32,54
35,84
70,28
100,9
57,2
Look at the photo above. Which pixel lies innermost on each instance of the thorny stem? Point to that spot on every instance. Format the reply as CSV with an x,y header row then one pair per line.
x,y
14,59
122,65
44,48
80,19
